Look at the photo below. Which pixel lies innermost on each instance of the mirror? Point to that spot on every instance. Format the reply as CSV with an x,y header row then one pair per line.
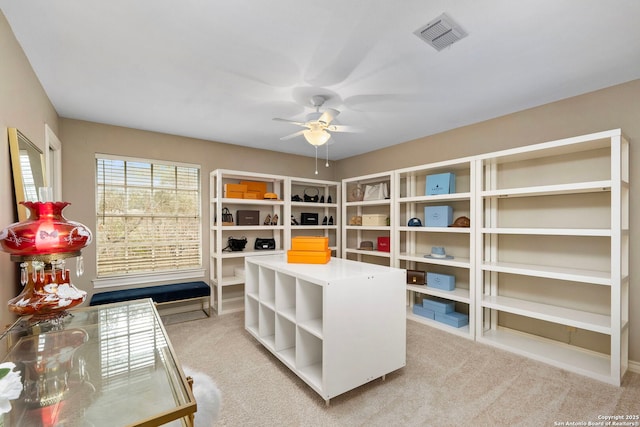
x,y
27,162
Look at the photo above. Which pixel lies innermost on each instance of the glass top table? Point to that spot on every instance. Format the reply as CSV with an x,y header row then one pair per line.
x,y
107,365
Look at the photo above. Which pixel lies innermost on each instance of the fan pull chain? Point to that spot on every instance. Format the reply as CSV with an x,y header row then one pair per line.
x,y
316,160
326,165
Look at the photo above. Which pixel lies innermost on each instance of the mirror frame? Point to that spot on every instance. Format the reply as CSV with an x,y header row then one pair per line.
x,y
18,142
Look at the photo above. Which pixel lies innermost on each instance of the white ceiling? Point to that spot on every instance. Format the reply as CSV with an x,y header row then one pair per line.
x,y
221,70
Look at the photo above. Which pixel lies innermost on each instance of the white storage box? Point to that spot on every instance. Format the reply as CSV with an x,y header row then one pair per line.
x,y
375,219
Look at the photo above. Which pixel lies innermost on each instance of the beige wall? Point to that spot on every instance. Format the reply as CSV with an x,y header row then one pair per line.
x,y
82,140
23,105
611,108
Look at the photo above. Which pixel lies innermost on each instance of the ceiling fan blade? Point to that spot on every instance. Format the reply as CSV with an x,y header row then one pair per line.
x,y
328,115
293,122
343,128
293,135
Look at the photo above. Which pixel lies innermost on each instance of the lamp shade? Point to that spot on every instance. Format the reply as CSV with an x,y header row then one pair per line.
x,y
316,136
46,232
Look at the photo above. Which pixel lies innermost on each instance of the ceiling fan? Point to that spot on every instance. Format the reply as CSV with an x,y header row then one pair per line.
x,y
318,124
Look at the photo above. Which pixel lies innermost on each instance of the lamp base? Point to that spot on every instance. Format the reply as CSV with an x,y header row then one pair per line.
x,y
40,303
46,291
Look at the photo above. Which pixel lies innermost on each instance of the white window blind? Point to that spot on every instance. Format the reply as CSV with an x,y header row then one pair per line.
x,y
148,216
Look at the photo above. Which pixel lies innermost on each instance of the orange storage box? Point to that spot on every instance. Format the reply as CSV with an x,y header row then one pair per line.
x,y
233,195
308,257
234,191
250,195
309,243
241,188
257,187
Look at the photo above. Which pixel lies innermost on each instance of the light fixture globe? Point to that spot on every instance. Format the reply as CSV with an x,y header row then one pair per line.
x,y
316,136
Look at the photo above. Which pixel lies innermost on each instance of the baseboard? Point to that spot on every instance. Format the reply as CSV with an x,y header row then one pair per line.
x,y
634,366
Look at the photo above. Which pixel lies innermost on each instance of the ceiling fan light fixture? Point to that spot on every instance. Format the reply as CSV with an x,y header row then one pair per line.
x,y
316,137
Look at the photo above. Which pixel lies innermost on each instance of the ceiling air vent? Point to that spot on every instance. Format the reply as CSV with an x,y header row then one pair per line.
x,y
441,32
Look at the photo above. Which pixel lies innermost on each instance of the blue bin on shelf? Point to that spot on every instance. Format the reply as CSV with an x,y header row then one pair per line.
x,y
444,282
440,183
455,319
420,310
438,216
439,305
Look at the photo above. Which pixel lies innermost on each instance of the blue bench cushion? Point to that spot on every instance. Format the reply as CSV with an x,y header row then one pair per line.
x,y
159,294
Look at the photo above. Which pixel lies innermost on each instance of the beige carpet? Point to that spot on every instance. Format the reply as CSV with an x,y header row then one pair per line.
x,y
448,381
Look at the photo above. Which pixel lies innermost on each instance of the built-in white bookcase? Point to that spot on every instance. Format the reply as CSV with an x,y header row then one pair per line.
x,y
227,267
353,206
226,277
327,208
553,247
543,269
413,243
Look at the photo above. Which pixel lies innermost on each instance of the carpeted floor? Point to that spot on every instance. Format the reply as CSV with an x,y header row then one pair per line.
x,y
448,381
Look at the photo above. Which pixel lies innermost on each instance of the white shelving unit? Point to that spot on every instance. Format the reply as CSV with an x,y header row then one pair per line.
x,y
553,248
305,315
413,243
328,209
354,235
543,270
227,281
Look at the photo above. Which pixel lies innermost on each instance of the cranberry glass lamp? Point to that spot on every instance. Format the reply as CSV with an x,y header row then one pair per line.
x,y
41,245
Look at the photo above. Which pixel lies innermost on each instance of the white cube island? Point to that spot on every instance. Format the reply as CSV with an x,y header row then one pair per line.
x,y
337,325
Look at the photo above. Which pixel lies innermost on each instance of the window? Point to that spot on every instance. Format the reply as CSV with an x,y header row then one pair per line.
x,y
148,216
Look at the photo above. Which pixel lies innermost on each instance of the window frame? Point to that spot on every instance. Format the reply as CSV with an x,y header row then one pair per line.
x,y
170,275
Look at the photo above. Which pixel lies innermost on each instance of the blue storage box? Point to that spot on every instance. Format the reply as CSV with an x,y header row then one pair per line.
x,y
441,183
439,305
438,216
455,319
445,282
420,310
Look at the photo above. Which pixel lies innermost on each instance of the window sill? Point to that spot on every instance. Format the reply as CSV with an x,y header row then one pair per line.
x,y
143,278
